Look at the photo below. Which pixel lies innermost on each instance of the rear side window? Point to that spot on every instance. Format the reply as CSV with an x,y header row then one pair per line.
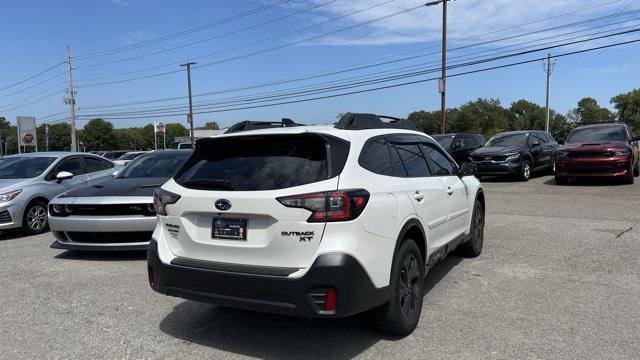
x,y
253,163
412,159
93,164
72,165
440,165
375,157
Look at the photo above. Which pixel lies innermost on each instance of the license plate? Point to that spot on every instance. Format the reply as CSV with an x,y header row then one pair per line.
x,y
229,229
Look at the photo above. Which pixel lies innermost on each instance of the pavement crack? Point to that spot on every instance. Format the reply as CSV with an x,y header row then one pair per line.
x,y
624,232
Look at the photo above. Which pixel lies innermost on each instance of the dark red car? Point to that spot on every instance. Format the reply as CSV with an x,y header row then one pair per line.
x,y
602,150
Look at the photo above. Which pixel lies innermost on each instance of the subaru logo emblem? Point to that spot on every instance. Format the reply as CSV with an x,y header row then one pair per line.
x,y
223,204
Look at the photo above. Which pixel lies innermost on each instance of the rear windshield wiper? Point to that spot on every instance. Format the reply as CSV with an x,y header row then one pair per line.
x,y
209,184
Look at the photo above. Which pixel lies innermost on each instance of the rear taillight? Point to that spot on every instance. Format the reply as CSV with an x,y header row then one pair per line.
x,y
330,206
162,198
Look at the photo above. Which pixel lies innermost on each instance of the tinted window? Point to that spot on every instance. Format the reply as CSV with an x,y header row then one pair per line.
x,y
130,156
72,165
616,133
251,163
537,137
439,164
375,157
503,140
549,137
112,155
413,160
398,167
24,167
93,164
162,164
444,140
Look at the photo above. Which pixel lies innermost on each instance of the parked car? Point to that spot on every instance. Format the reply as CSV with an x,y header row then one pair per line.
x,y
182,146
315,221
128,157
116,214
516,153
29,181
114,155
460,145
603,150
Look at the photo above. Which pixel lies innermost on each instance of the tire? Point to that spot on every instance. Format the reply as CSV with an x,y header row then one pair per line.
x,y
401,314
35,220
473,246
630,178
525,170
636,170
552,167
561,180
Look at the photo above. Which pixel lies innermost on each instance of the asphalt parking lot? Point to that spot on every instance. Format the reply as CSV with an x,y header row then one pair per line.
x,y
559,278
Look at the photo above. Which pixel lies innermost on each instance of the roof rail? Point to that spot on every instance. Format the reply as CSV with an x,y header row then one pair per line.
x,y
256,125
357,121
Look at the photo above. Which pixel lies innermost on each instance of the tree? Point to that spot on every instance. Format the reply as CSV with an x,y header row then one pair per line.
x,y
211,125
10,131
173,131
484,116
59,137
98,134
526,115
628,106
589,112
427,121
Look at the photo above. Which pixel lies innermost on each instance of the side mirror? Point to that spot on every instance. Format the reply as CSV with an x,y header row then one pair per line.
x,y
64,175
561,142
467,169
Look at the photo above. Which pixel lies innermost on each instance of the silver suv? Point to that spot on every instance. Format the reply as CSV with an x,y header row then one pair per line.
x,y
29,181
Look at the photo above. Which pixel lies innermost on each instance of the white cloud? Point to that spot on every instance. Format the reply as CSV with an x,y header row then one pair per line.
x,y
468,19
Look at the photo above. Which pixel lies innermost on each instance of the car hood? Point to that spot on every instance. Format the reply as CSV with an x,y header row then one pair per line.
x,y
13,184
496,150
595,146
120,187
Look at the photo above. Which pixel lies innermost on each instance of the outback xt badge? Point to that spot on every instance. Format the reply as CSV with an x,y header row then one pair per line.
x,y
304,235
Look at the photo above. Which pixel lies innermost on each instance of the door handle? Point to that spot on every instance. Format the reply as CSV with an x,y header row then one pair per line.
x,y
450,190
418,196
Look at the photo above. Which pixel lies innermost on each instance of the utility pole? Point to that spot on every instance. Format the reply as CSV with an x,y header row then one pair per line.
x,y
442,84
71,101
46,137
190,116
548,68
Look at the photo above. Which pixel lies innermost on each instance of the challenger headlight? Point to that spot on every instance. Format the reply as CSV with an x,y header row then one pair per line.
x,y
563,153
515,156
621,152
8,196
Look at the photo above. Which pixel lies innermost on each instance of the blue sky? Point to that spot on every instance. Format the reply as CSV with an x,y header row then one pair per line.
x,y
36,33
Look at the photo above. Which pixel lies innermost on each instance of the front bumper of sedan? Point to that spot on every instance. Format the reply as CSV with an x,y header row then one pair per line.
x,y
588,167
11,214
498,168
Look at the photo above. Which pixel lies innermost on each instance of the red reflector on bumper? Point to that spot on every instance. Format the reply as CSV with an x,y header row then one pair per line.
x,y
330,303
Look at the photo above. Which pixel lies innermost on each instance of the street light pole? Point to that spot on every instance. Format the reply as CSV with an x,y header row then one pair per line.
x,y
188,65
442,84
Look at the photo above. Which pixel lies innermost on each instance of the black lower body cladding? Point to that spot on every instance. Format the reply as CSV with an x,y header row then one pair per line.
x,y
354,290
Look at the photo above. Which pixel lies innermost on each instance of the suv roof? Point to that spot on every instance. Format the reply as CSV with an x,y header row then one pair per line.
x,y
360,121
601,125
255,125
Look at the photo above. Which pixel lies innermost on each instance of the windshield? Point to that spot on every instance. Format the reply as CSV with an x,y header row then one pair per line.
x,y
445,141
24,167
257,163
616,133
113,155
155,165
507,140
129,156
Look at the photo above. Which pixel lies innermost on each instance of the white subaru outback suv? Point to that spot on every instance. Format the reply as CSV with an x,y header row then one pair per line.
x,y
315,221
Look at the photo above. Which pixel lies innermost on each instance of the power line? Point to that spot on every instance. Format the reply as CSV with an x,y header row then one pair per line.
x,y
296,13
34,101
32,77
300,41
386,86
34,85
345,29
343,69
182,33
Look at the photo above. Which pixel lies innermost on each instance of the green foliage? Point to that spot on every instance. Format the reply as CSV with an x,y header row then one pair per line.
x,y
427,121
526,115
628,106
211,125
482,116
59,137
98,135
589,112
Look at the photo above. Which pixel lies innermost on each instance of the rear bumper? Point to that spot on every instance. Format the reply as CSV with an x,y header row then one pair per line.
x,y
592,167
354,289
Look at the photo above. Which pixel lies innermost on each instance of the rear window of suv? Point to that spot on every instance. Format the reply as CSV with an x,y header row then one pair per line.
x,y
254,163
